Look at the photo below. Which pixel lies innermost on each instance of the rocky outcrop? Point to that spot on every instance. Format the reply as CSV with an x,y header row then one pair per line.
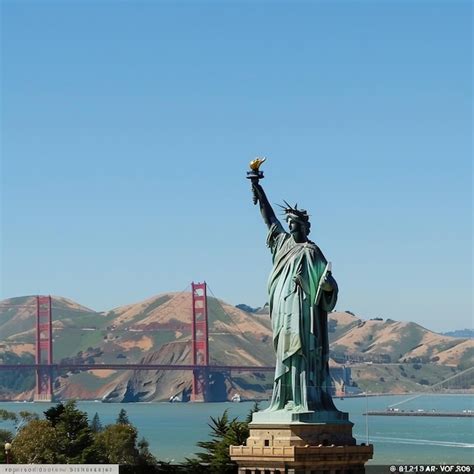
x,y
156,385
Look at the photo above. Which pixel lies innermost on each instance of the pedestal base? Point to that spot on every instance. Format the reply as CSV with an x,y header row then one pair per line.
x,y
301,448
300,434
301,459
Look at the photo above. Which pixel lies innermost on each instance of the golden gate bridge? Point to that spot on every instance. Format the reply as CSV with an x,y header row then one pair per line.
x,y
201,368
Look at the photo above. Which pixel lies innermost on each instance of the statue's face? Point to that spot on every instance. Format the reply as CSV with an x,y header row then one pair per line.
x,y
297,230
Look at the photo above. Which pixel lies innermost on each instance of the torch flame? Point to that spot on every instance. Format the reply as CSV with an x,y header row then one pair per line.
x,y
255,164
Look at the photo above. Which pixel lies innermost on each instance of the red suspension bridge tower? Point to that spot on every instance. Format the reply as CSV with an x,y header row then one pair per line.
x,y
200,343
44,349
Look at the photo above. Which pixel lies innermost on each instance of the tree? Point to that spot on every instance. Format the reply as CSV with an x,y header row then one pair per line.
x,y
224,432
74,435
122,418
53,414
18,420
36,443
145,458
65,436
96,425
118,443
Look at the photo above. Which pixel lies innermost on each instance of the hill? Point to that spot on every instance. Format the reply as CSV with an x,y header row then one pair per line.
x,y
158,330
464,333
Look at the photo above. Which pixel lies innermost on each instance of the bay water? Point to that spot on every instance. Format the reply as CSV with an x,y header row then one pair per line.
x,y
173,429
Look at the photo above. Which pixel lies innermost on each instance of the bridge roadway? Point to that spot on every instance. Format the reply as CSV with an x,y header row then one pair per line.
x,y
212,368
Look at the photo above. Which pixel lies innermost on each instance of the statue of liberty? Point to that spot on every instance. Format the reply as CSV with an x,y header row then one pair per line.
x,y
301,292
293,433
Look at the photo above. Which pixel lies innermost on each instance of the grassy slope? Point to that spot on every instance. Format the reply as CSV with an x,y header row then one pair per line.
x,y
395,378
67,344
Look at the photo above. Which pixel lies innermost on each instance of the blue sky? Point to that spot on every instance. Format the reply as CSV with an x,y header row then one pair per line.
x,y
127,128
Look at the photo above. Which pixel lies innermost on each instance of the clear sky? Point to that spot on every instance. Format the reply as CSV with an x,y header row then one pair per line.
x,y
127,128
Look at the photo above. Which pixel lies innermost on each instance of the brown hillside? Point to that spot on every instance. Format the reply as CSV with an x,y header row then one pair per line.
x,y
456,353
401,341
173,311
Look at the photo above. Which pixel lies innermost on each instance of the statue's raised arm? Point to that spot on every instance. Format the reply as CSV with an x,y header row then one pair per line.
x,y
259,195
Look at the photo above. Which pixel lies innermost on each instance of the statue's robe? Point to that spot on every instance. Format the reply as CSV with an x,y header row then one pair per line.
x,y
298,310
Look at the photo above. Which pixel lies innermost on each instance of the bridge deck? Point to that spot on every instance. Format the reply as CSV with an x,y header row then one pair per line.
x,y
212,368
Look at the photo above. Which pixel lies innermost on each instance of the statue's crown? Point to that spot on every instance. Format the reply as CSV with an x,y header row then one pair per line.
x,y
300,214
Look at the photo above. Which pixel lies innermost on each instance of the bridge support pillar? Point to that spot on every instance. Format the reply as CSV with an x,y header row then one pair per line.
x,y
44,349
200,343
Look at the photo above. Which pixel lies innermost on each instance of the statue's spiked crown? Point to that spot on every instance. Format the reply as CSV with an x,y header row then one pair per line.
x,y
295,213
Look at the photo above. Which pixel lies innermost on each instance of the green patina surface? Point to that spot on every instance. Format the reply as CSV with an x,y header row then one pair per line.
x,y
298,309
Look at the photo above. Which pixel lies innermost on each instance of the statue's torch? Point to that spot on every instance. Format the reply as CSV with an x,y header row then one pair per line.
x,y
255,174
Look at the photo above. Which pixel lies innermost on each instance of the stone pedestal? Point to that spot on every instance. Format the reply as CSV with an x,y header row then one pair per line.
x,y
297,447
301,459
300,434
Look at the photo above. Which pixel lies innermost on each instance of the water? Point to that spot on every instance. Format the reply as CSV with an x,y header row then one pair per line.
x,y
173,428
